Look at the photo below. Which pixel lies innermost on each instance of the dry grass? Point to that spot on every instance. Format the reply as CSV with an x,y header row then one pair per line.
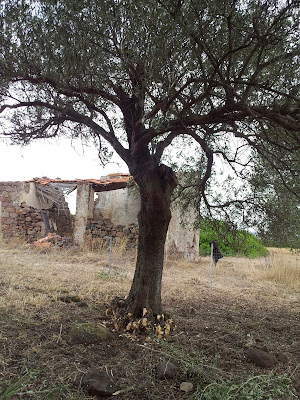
x,y
34,324
283,267
35,278
101,246
263,277
52,272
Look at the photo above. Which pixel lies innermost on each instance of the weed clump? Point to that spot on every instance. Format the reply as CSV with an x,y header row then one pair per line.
x,y
259,387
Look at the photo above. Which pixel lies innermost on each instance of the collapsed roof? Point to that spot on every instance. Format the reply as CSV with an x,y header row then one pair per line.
x,y
53,189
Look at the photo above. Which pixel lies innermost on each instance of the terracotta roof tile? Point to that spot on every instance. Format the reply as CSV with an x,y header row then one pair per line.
x,y
109,182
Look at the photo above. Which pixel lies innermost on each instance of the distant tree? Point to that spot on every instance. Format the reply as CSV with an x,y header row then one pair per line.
x,y
276,210
138,76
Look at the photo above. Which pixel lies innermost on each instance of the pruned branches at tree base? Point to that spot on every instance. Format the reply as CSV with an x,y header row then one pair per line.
x,y
147,326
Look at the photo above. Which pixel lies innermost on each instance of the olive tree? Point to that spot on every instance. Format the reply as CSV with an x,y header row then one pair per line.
x,y
276,203
134,76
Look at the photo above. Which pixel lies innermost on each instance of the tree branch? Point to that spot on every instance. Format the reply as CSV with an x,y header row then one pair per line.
x,y
68,113
163,144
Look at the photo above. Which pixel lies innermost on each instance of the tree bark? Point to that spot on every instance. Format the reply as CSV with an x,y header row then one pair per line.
x,y
156,187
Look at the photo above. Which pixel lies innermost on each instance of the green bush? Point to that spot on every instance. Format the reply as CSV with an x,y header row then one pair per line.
x,y
230,241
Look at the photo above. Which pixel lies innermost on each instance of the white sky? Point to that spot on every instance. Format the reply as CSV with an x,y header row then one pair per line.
x,y
54,159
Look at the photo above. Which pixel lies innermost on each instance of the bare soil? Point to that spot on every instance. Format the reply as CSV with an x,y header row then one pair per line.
x,y
215,325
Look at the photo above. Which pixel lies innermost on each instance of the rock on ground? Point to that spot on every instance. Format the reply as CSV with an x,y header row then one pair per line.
x,y
89,333
186,387
261,358
166,370
98,383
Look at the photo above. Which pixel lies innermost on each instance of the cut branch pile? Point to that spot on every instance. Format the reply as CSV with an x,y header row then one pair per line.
x,y
147,325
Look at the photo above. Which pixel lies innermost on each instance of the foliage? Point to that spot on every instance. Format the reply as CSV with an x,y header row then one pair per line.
x,y
14,387
261,387
276,210
141,77
21,388
231,241
137,76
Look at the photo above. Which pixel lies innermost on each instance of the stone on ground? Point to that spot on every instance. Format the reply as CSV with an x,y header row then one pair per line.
x,y
98,383
166,370
89,333
261,358
186,387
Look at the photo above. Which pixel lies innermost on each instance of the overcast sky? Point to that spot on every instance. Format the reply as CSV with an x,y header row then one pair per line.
x,y
54,159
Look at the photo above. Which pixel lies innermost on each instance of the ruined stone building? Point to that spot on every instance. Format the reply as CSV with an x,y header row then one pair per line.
x,y
105,208
29,214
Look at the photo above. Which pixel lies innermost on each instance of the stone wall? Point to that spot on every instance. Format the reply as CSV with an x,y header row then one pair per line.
x,y
61,220
10,193
99,227
182,238
115,215
29,224
18,219
112,215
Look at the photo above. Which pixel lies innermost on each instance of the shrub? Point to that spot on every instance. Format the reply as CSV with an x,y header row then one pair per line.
x,y
231,241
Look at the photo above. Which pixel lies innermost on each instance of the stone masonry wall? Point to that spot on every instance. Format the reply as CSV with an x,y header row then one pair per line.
x,y
25,222
112,207
100,228
10,193
30,225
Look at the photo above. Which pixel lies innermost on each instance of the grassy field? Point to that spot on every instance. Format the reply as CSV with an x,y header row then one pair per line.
x,y
252,302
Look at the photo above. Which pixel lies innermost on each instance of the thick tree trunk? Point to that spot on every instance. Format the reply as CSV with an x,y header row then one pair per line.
x,y
156,188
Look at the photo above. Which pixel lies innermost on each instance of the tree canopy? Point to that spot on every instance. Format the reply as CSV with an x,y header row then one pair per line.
x,y
276,210
137,76
195,69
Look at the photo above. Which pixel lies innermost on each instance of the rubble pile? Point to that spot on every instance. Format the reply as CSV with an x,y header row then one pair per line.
x,y
52,239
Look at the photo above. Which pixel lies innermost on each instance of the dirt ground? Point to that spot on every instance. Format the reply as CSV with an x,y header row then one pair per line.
x,y
216,326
